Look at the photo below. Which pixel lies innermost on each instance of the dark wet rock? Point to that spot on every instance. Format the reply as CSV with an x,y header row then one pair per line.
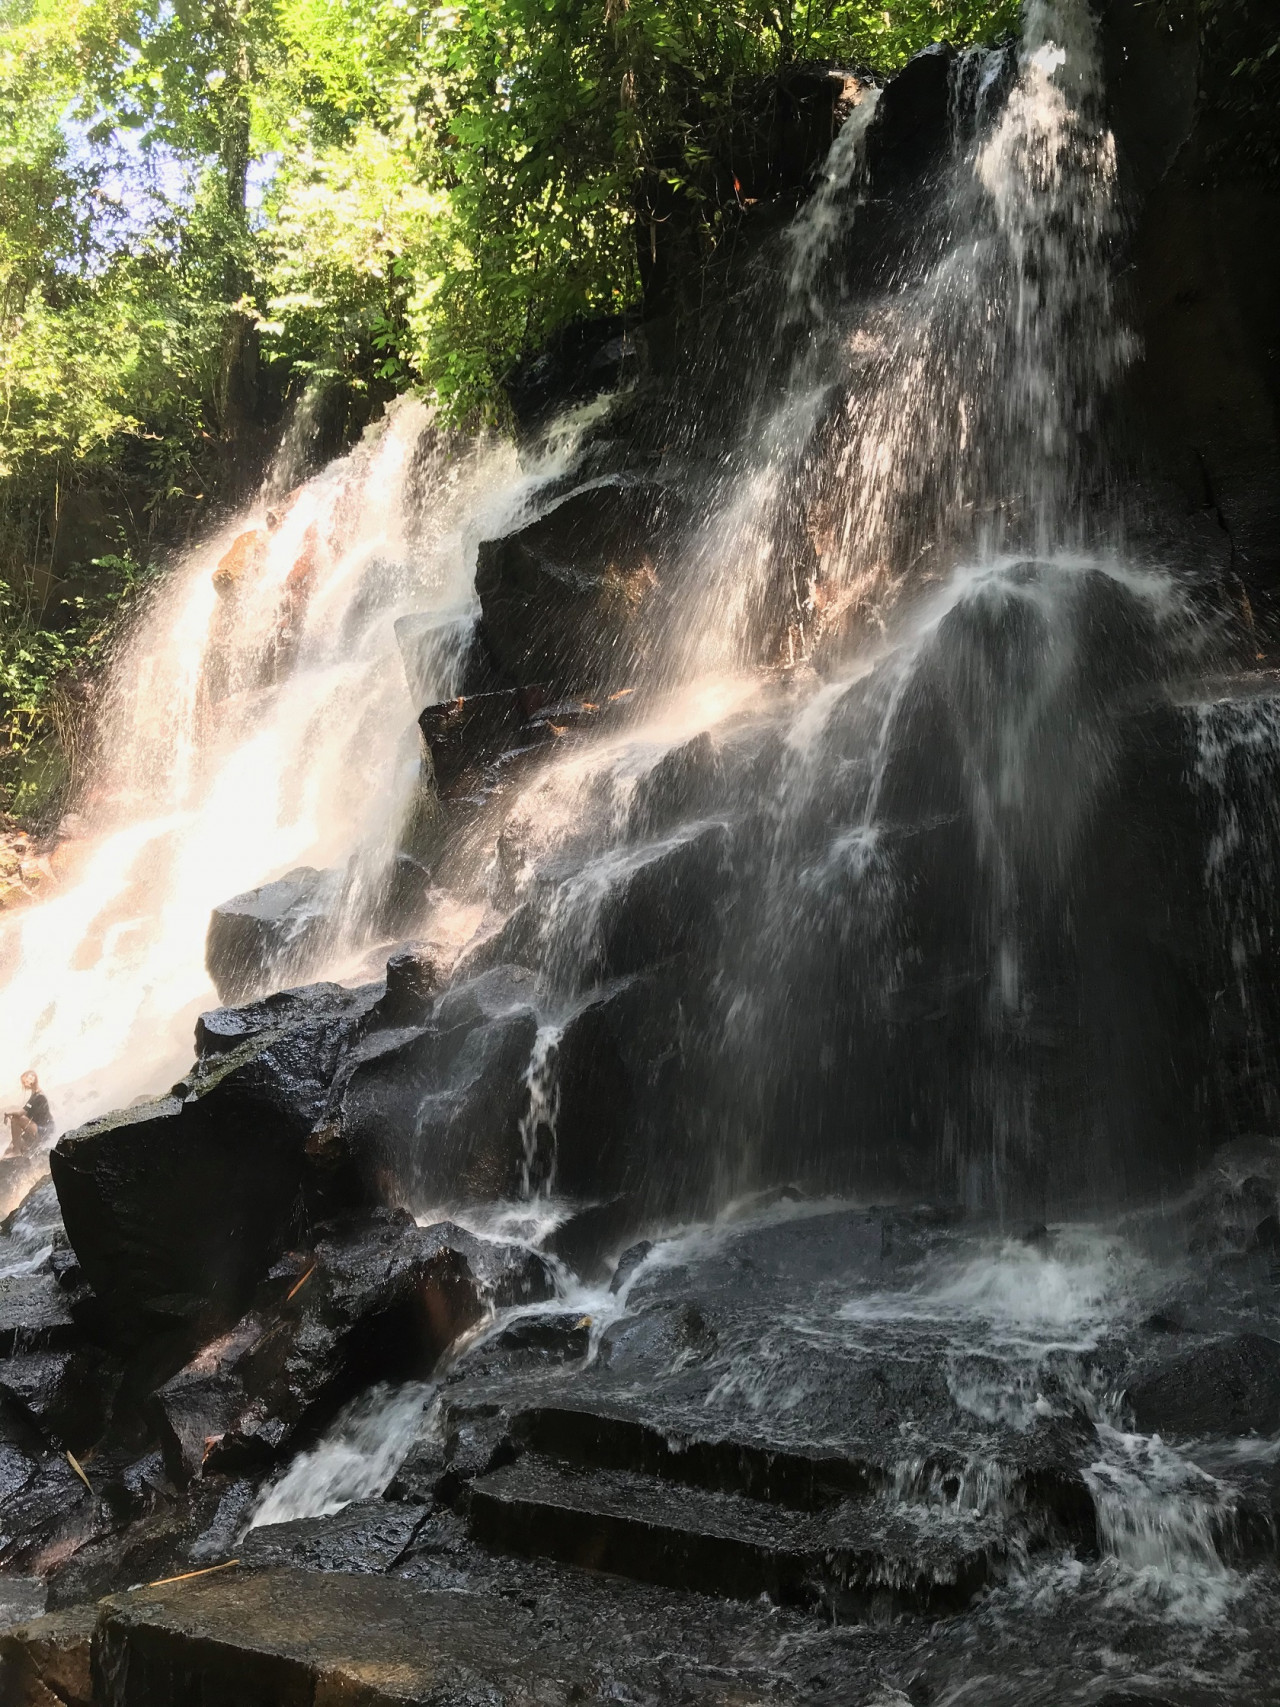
x,y
640,906
45,1661
18,1468
583,1132
36,1218
434,1113
628,1263
463,734
370,1535
130,1485
19,1176
440,654
64,1266
563,597
305,1636
589,1238
413,977
34,1315
1229,1386
1165,1322
913,117
304,1008
271,935
684,784
49,1519
378,1299
177,1207
556,1338
153,1547
577,363
1206,261
837,1561
66,1394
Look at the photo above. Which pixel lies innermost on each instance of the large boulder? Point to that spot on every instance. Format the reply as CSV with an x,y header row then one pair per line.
x,y
627,910
566,599
1229,1386
176,1207
272,935
442,655
578,362
376,1298
1202,400
433,1112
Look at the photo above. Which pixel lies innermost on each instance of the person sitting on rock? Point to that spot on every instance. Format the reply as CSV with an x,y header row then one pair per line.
x,y
32,1124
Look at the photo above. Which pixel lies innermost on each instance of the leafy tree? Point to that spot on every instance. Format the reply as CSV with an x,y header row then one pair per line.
x,y
207,204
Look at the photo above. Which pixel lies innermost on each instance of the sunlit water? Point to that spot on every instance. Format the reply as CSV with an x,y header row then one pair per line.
x,y
231,751
932,447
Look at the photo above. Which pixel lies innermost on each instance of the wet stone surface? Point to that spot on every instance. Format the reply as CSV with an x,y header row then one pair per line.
x,y
860,1456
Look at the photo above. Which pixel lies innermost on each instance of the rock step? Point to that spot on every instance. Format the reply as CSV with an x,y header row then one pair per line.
x,y
299,1638
608,1438
847,1561
803,1478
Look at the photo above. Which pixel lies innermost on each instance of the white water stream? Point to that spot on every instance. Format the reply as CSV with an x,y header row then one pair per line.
x,y
240,742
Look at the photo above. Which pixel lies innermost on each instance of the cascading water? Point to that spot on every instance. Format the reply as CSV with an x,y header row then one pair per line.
x,y
828,898
242,739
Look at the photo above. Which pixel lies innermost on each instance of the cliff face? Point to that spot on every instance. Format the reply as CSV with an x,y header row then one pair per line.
x,y
1203,404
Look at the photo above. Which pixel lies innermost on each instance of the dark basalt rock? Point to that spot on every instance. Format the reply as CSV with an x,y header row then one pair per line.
x,y
577,363
912,122
462,734
435,1110
560,597
309,1005
1229,1387
594,1233
368,1536
49,1518
413,977
34,1315
724,1544
478,742
440,654
66,1394
177,1207
632,909
272,935
378,1299
629,1262
286,1636
683,785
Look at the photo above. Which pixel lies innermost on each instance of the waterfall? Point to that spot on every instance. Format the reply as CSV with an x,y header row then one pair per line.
x,y
896,658
240,741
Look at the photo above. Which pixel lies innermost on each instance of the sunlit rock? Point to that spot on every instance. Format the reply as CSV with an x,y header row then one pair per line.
x,y
272,935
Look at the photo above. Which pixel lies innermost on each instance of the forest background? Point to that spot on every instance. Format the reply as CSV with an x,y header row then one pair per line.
x,y
210,207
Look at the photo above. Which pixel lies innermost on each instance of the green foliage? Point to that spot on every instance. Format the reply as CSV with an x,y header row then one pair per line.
x,y
204,204
1240,44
